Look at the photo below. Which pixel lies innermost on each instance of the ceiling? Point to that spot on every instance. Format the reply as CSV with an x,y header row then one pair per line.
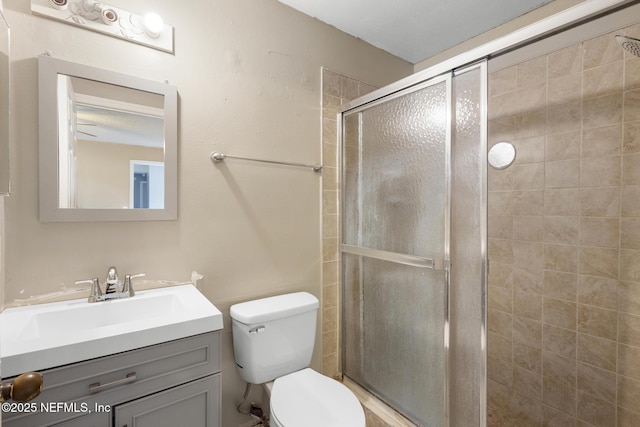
x,y
415,29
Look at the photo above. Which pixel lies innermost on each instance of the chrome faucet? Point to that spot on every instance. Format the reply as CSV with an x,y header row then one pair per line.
x,y
112,289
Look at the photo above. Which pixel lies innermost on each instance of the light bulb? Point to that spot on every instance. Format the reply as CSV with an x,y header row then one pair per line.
x,y
153,25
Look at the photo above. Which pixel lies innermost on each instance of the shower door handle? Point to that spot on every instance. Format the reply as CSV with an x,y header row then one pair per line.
x,y
412,260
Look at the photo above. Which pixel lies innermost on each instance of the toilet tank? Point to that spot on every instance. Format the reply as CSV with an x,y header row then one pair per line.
x,y
274,336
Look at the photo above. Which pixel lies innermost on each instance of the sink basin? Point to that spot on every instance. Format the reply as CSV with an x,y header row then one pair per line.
x,y
49,335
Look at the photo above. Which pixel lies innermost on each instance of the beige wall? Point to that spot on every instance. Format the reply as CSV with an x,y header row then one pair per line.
x,y
248,75
564,239
104,172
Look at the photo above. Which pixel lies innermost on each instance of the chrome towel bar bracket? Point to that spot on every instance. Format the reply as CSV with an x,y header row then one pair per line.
x,y
219,157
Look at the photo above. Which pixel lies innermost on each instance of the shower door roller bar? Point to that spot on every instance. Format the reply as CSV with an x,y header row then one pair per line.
x,y
415,261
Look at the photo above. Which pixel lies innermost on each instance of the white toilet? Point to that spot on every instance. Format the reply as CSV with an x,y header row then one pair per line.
x,y
273,339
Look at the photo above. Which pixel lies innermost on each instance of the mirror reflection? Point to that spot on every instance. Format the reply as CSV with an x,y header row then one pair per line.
x,y
111,146
108,145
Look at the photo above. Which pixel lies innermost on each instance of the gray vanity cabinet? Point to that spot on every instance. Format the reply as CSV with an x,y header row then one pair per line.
x,y
169,384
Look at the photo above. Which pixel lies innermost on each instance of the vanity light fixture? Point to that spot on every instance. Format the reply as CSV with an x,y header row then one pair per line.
x,y
153,25
148,30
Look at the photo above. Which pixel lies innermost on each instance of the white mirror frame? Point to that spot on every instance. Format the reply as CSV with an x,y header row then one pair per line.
x,y
48,70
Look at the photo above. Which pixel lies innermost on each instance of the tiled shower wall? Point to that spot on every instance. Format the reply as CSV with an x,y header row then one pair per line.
x,y
564,240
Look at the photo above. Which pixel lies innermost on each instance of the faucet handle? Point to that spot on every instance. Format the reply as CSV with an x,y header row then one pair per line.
x,y
128,283
96,293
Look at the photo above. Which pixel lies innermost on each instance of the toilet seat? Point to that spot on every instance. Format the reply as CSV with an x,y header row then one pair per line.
x,y
309,399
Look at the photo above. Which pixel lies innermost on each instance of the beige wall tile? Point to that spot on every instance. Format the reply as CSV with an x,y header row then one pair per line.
x,y
631,169
596,411
528,176
532,72
556,418
560,285
565,89
630,200
559,395
528,202
629,329
604,202
528,254
604,79
527,357
600,171
628,361
559,313
631,137
499,299
602,141
565,117
500,202
562,174
561,229
629,297
601,50
527,305
597,382
598,322
630,265
527,331
563,146
529,228
599,262
561,258
598,291
630,233
597,351
632,105
500,226
565,61
628,393
528,280
559,341
500,322
562,202
500,275
628,418
603,232
503,81
632,73
533,123
527,383
530,150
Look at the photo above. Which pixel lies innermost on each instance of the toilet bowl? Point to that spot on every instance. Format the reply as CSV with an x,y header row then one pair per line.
x,y
307,398
273,339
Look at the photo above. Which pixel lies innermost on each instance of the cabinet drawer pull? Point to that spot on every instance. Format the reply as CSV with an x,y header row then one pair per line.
x,y
96,387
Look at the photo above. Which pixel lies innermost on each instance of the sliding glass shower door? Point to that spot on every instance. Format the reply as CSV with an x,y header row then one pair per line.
x,y
395,248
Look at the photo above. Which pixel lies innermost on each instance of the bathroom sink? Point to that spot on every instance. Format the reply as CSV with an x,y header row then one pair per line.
x,y
48,335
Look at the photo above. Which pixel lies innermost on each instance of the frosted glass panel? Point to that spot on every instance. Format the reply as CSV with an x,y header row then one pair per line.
x,y
395,168
394,336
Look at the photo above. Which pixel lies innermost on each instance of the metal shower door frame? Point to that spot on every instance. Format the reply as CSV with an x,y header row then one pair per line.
x,y
442,264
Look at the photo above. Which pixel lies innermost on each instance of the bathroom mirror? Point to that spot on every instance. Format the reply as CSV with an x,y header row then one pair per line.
x,y
108,145
5,97
502,155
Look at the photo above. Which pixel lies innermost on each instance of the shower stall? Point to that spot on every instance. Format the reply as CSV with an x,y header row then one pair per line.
x,y
549,334
412,180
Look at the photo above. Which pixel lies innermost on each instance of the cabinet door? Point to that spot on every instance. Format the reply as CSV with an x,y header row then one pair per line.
x,y
195,404
95,419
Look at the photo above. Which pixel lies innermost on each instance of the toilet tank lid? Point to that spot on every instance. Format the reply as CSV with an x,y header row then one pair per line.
x,y
280,306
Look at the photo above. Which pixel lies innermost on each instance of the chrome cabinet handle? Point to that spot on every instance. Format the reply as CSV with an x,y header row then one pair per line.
x,y
97,387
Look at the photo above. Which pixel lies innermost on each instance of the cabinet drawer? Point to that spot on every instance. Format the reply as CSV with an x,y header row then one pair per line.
x,y
124,376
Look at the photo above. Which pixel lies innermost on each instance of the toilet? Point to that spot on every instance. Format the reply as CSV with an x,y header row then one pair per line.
x,y
273,339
